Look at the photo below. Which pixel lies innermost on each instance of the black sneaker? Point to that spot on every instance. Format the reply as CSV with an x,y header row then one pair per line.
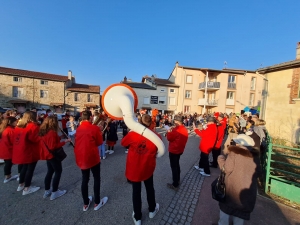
x,y
171,186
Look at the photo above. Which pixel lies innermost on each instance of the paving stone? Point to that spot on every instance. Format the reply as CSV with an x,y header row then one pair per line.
x,y
172,215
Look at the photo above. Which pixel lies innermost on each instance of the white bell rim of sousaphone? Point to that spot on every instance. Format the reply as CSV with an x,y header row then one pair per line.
x,y
110,100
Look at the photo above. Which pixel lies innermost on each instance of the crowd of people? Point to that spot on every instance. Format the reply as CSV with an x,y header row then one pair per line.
x,y
234,143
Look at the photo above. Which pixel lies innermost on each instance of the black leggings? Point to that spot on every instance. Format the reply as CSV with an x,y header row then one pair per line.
x,y
175,167
54,166
85,184
7,167
203,162
137,199
26,173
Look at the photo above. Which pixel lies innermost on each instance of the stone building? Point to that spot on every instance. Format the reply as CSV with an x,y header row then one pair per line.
x,y
23,89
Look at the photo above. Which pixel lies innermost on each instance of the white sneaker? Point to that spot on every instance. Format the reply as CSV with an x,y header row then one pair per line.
x,y
47,193
102,203
107,151
136,222
11,178
152,214
111,152
126,152
30,190
204,174
20,188
198,168
85,208
104,157
18,178
2,161
57,194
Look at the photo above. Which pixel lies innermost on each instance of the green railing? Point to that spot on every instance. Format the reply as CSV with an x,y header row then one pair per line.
x,y
282,167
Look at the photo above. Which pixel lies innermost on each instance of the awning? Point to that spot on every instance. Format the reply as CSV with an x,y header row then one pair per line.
x,y
56,104
90,105
15,101
146,108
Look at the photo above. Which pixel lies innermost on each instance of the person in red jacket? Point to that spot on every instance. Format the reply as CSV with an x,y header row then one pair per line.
x,y
140,166
50,141
6,145
221,126
26,150
207,142
177,138
88,138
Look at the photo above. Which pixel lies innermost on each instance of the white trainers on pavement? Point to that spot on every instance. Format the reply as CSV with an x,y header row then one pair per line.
x,y
86,207
198,168
136,222
111,152
11,178
47,193
204,174
20,188
102,203
57,194
152,214
30,190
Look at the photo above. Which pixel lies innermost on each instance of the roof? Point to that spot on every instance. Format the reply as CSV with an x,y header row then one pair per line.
x,y
84,88
139,85
56,103
225,70
280,66
32,74
13,101
161,82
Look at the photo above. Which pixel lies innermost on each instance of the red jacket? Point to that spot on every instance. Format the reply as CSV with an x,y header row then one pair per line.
x,y
88,137
220,135
26,144
52,141
6,143
208,138
141,158
177,139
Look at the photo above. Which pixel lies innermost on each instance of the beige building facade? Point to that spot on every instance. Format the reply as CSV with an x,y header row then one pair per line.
x,y
23,89
281,99
210,90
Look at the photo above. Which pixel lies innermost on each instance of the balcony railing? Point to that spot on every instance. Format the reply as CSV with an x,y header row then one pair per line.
x,y
210,85
231,85
208,102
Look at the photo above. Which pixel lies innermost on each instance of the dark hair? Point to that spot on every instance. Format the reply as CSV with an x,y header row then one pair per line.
x,y
5,123
27,118
85,116
48,110
49,123
146,120
252,122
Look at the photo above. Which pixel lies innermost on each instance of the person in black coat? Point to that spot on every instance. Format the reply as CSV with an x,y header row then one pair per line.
x,y
112,135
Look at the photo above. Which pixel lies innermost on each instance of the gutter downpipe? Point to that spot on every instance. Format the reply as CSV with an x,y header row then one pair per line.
x,y
262,113
205,93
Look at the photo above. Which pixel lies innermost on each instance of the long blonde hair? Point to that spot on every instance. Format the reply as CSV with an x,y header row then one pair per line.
x,y
27,118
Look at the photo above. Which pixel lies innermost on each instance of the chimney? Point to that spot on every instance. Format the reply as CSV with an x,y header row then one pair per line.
x,y
298,51
70,75
177,63
125,79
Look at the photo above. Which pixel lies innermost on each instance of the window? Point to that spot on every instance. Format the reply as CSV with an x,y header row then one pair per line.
x,y
230,95
188,94
162,90
44,82
76,97
172,90
187,109
89,98
253,82
146,100
162,100
17,92
231,79
17,79
251,100
189,79
172,101
43,94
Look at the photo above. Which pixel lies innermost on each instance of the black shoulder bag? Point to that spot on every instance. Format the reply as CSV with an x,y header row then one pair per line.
x,y
218,189
59,153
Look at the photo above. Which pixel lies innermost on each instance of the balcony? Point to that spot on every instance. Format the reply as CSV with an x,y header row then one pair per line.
x,y
231,85
208,102
211,86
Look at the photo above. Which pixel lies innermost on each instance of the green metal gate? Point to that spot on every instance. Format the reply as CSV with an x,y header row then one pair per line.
x,y
283,171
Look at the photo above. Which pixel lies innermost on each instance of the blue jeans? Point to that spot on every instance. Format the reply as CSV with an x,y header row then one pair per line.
x,y
102,149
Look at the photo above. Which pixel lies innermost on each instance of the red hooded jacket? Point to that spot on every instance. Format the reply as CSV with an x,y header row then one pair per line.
x,y
88,137
52,141
208,138
26,146
177,139
141,158
6,143
220,136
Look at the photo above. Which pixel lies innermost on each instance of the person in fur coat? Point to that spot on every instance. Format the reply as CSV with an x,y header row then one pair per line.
x,y
242,167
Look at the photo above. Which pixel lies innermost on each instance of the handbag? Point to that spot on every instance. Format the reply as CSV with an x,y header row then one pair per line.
x,y
218,189
59,154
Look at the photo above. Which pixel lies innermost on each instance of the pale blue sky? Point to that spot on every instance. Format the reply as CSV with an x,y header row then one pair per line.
x,y
103,41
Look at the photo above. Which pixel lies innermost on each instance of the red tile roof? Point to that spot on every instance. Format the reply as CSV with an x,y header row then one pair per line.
x,y
84,88
32,74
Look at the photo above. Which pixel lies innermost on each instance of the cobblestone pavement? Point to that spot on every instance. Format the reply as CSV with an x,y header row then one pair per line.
x,y
182,207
